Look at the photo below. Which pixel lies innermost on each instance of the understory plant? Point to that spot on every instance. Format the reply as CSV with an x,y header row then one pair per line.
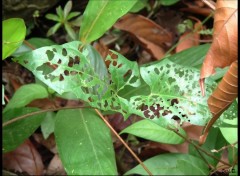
x,y
165,94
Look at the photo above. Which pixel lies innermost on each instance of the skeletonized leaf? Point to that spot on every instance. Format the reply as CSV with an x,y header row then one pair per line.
x,y
152,36
224,48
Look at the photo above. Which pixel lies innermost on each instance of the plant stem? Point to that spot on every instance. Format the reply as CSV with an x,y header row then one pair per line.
x,y
124,143
40,112
198,147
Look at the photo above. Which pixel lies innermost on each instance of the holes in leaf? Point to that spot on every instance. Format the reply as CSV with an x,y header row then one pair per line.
x,y
156,71
50,55
171,80
105,103
54,50
114,63
45,68
113,56
70,62
133,80
25,62
175,117
64,52
61,78
66,72
77,60
174,101
166,112
59,61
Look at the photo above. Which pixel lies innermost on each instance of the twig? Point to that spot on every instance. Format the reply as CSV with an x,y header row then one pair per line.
x,y
29,45
224,147
6,98
40,112
198,147
124,143
210,4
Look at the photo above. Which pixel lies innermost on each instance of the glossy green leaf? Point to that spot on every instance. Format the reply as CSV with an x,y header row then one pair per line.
x,y
151,131
14,32
168,2
215,141
25,95
230,134
53,17
172,164
99,16
53,29
174,89
192,57
84,143
70,31
16,133
139,5
47,125
67,9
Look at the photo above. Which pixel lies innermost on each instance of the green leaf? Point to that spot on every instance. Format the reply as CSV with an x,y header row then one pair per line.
x,y
234,171
174,89
60,13
230,134
25,95
139,5
99,16
53,29
84,143
151,131
47,125
215,141
192,57
53,17
70,31
72,15
16,133
172,164
67,9
3,102
12,38
168,2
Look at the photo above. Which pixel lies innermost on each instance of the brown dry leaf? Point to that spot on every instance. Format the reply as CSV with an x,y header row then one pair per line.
x,y
55,167
189,39
222,97
223,50
24,159
196,7
151,36
49,143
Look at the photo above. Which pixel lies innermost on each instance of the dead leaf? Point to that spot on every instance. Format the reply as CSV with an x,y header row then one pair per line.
x,y
55,167
151,36
223,50
189,39
49,143
196,7
24,159
222,97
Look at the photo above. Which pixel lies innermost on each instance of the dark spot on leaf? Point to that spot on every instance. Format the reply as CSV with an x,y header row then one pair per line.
x,y
120,65
105,103
64,52
66,72
50,55
166,112
54,49
25,62
89,99
59,61
114,63
70,63
61,78
175,117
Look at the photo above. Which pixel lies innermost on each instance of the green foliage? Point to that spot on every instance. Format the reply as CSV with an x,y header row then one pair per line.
x,y
139,5
99,16
25,94
62,18
184,26
47,125
153,132
12,38
172,164
168,2
174,89
84,143
206,32
16,133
